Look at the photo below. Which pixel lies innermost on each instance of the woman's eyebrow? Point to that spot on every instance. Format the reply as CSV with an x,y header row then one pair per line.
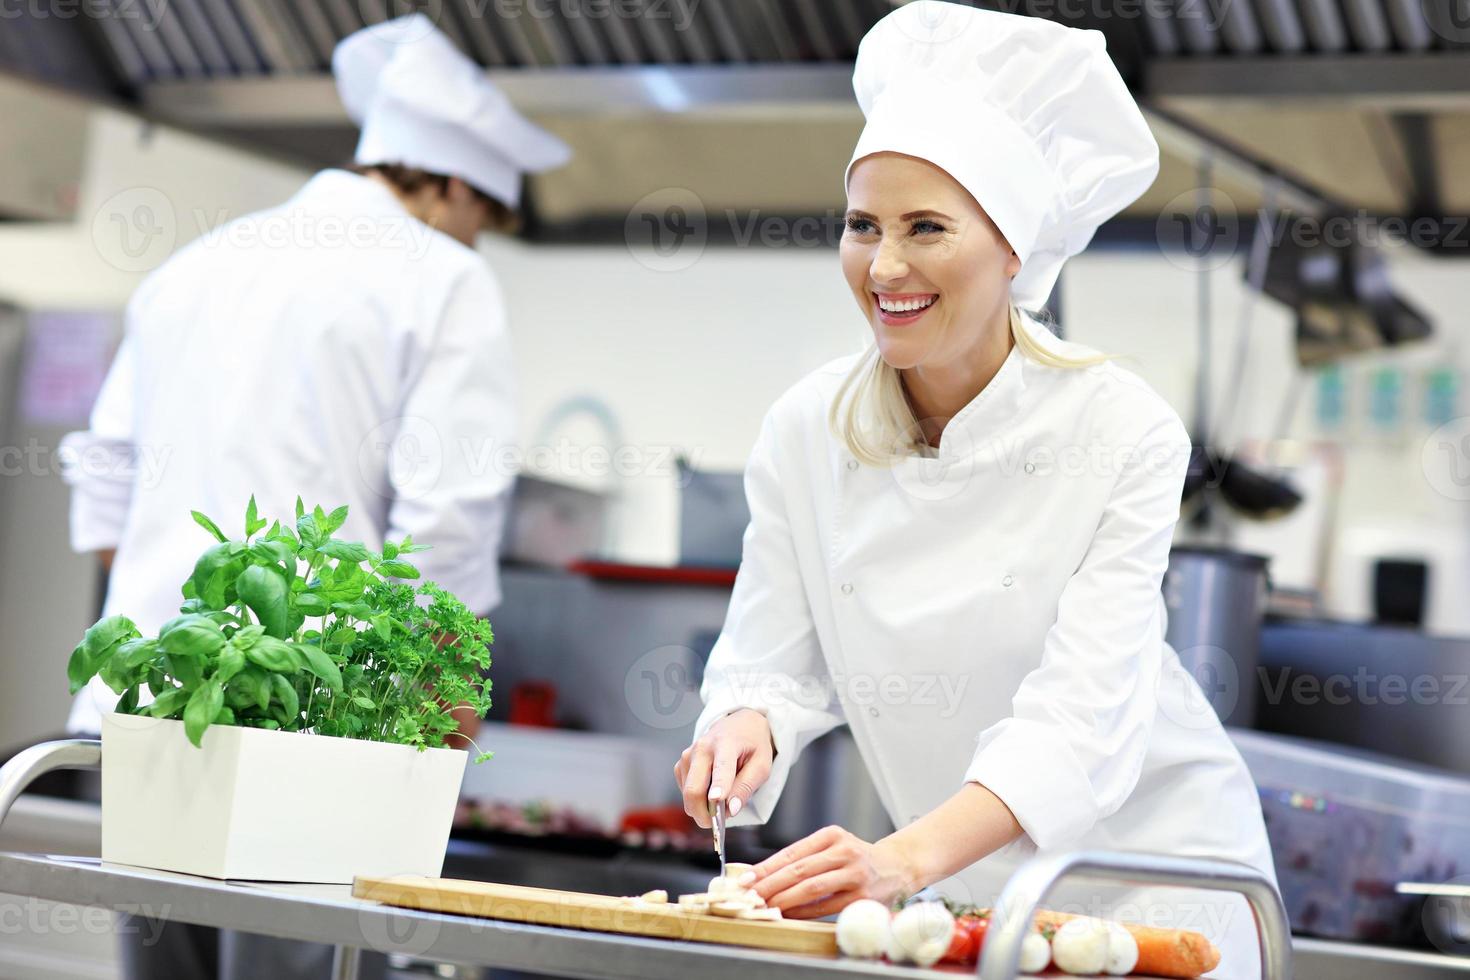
x,y
858,213
914,215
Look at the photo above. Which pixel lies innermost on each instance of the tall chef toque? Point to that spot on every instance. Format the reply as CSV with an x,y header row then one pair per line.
x,y
421,103
1029,116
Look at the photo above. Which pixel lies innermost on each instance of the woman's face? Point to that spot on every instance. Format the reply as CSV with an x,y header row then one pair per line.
x,y
929,269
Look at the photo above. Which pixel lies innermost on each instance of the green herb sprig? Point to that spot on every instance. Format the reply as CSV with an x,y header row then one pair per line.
x,y
337,647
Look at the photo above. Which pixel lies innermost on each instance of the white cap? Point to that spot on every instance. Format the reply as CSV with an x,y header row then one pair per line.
x,y
421,103
1030,116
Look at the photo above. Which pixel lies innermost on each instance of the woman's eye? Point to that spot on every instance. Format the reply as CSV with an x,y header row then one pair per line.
x,y
927,227
859,226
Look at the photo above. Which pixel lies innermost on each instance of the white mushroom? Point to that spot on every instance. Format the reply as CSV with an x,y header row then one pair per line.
x,y
765,915
1122,950
921,934
862,929
1081,947
1035,953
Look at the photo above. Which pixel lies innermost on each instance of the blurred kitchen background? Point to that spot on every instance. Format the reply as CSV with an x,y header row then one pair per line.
x,y
1295,284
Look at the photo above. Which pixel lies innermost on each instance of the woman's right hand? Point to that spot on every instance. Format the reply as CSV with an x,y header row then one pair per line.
x,y
730,761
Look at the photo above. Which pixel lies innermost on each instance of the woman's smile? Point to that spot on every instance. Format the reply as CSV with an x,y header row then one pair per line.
x,y
901,309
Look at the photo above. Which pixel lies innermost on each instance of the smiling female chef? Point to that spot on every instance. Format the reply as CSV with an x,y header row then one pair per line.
x,y
957,539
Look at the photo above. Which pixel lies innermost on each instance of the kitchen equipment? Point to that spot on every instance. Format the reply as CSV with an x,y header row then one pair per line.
x,y
599,913
553,523
1215,598
712,517
598,776
1446,913
1347,826
1386,689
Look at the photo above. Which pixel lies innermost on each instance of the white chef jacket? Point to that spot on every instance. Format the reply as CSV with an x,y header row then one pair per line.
x,y
993,613
334,347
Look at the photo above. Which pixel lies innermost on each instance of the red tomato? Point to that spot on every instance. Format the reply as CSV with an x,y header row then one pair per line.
x,y
964,944
961,946
978,929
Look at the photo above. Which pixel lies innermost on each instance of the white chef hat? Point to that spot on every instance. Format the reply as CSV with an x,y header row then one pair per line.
x,y
421,103
1030,116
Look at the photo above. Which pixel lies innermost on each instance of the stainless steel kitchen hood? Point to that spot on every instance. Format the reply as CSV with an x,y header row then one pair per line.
x,y
1362,103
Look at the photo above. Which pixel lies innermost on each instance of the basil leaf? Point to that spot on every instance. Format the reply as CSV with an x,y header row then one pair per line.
x,y
270,550
274,655
128,703
186,670
203,706
285,692
249,688
231,662
321,665
398,569
252,522
98,644
353,551
247,635
167,703
191,635
363,702
311,605
263,590
214,573
335,519
209,526
225,716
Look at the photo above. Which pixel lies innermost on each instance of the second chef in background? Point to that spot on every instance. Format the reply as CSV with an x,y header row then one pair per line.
x,y
349,346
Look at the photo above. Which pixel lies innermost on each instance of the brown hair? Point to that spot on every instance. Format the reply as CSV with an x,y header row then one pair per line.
x,y
410,180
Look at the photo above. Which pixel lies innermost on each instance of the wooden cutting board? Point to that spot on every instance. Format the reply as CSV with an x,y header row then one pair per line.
x,y
599,913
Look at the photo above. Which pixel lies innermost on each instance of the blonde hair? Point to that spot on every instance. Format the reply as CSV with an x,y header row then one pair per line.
x,y
871,413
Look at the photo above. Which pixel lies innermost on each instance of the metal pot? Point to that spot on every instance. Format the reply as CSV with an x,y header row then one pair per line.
x,y
1216,598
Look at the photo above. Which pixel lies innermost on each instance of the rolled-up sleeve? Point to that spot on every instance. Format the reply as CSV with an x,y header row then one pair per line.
x,y
767,657
1073,749
464,400
99,463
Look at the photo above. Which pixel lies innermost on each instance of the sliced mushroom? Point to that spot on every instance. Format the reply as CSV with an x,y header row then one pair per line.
x,y
763,914
656,897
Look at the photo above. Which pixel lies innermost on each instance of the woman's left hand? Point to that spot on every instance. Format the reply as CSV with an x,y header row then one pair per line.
x,y
829,870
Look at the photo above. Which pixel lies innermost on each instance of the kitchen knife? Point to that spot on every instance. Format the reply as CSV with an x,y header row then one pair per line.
x,y
717,820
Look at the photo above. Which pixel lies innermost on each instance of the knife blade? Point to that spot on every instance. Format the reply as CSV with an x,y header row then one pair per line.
x,y
717,821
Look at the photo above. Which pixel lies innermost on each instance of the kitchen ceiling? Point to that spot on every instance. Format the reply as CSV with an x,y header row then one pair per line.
x,y
1355,103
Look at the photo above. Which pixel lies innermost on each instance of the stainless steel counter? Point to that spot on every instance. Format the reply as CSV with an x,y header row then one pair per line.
x,y
329,914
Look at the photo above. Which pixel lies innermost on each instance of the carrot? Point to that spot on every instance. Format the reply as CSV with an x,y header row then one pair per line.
x,y
1173,953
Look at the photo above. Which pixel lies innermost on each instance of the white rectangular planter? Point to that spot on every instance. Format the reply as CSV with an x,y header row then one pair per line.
x,y
273,806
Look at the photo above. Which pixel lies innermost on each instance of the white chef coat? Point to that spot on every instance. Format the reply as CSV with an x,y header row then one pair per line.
x,y
993,613
334,347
